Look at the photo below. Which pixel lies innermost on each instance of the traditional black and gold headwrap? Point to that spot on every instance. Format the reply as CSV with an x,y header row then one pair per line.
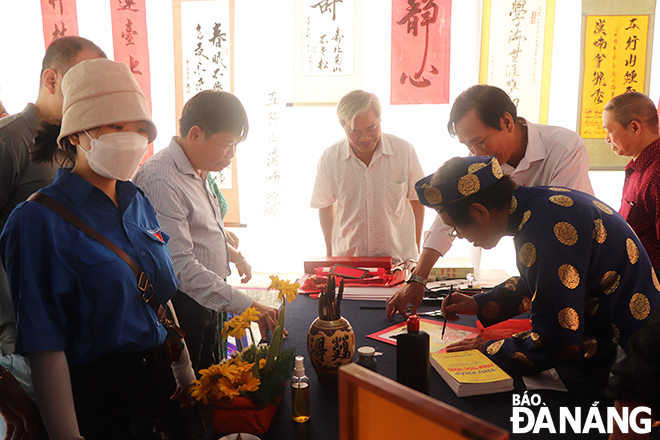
x,y
483,171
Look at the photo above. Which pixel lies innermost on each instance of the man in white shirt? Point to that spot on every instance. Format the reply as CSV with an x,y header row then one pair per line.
x,y
365,187
485,119
175,180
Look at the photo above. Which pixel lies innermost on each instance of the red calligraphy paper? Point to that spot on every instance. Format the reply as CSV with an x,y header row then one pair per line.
x,y
420,51
131,45
59,19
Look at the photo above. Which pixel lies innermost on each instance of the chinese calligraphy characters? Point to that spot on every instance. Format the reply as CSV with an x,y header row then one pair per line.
x,y
273,186
328,37
614,63
420,13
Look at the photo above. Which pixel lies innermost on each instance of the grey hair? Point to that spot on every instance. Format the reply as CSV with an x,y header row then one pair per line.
x,y
633,106
354,104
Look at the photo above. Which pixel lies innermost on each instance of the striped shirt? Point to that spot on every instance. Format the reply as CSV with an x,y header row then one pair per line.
x,y
188,212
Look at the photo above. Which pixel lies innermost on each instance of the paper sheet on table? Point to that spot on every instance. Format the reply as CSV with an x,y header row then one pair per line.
x,y
454,333
370,293
545,380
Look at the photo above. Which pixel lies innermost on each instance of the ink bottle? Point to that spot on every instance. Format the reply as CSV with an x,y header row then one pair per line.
x,y
412,357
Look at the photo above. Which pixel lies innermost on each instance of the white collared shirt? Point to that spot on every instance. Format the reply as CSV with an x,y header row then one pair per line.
x,y
189,213
555,156
373,215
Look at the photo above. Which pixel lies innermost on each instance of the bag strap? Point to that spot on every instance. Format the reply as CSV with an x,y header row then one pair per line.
x,y
143,284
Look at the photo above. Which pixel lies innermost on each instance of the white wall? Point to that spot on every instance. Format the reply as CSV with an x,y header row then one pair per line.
x,y
264,64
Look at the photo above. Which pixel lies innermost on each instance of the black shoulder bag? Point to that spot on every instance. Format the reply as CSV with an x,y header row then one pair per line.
x,y
174,341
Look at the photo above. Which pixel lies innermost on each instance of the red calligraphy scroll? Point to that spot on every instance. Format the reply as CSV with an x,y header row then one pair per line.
x,y
59,18
420,51
131,45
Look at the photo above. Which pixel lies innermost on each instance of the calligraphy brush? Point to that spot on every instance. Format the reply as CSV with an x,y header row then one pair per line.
x,y
444,326
332,284
340,295
321,304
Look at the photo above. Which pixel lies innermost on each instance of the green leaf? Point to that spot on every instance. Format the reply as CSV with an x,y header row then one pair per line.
x,y
276,343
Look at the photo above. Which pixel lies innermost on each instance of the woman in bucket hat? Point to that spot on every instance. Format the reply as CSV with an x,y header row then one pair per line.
x,y
93,342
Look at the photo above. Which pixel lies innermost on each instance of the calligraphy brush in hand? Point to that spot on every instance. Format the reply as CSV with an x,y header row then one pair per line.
x,y
444,326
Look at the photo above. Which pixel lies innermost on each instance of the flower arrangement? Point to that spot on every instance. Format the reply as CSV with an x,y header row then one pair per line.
x,y
255,372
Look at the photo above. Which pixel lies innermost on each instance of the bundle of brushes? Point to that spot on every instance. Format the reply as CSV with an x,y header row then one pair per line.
x,y
329,302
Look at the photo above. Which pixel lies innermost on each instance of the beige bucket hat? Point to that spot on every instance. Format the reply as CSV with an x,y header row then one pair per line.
x,y
101,92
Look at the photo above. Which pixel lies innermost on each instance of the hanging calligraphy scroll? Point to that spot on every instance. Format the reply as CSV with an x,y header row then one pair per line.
x,y
59,18
617,42
516,52
131,45
327,54
421,43
273,186
206,42
204,60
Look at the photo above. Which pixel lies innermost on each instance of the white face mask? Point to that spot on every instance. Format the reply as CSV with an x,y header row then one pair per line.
x,y
116,155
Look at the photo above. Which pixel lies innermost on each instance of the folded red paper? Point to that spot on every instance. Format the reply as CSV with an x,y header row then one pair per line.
x,y
312,263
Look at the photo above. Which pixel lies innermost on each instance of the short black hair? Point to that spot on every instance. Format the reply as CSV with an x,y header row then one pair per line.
x,y
214,111
61,54
496,197
46,150
490,103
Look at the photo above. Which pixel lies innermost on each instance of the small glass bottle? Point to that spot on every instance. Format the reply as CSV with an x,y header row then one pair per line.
x,y
299,393
367,358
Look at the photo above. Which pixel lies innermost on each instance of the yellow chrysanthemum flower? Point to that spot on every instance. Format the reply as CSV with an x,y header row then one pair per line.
x,y
237,325
200,391
236,321
262,364
286,289
227,388
274,283
250,383
250,314
229,370
225,330
238,332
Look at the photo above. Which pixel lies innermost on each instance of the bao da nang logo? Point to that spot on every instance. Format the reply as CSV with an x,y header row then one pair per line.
x,y
531,415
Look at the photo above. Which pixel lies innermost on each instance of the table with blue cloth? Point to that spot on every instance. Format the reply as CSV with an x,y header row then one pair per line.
x,y
497,409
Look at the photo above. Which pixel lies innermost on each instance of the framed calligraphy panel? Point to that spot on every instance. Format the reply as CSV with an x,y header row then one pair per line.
x,y
516,52
204,60
421,42
327,50
617,42
60,18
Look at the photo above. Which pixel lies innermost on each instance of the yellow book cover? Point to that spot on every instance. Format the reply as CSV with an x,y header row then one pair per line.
x,y
471,373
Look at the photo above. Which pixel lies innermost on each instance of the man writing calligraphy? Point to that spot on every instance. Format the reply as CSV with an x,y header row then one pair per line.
x,y
585,278
485,119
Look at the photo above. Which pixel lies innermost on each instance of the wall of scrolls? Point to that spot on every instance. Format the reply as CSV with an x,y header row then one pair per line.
x,y
276,165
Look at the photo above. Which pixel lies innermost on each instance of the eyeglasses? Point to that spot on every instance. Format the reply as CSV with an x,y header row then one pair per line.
x,y
453,232
371,132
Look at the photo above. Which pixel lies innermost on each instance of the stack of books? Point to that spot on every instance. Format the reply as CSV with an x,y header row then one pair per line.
x,y
451,268
471,373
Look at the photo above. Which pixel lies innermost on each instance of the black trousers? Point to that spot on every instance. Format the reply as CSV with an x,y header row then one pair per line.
x,y
200,325
124,396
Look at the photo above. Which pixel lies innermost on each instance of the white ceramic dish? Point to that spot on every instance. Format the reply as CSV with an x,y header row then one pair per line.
x,y
244,436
